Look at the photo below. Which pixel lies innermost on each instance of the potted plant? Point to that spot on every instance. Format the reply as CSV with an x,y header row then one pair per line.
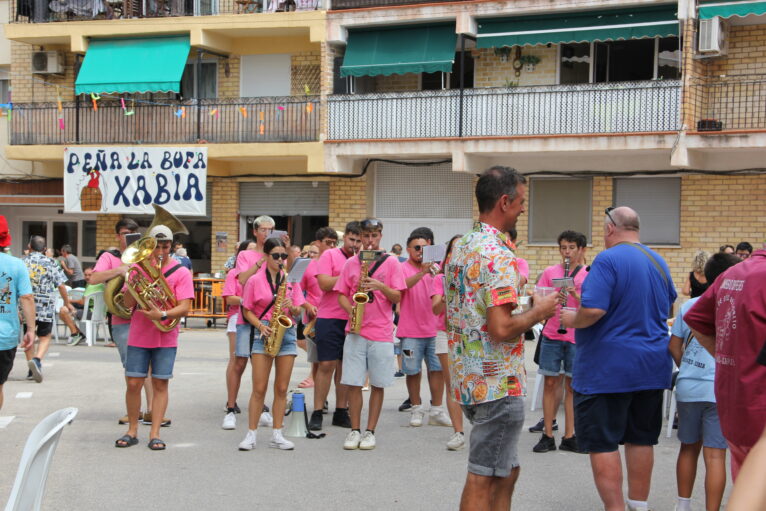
x,y
529,61
503,53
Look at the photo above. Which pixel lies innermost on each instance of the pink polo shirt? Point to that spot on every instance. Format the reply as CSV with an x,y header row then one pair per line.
x,y
416,319
143,333
310,284
257,295
108,262
546,280
378,321
231,287
245,260
331,263
437,289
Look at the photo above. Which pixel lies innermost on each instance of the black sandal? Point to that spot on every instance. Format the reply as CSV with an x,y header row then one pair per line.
x,y
155,444
126,441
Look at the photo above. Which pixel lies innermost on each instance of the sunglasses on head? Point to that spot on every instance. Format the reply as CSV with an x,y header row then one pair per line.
x,y
608,211
277,257
369,224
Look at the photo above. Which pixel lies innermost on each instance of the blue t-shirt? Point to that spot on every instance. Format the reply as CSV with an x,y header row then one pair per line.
x,y
14,282
696,375
627,349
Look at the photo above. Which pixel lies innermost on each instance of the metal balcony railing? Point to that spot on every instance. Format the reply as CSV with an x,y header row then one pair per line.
x,y
44,11
730,103
338,5
240,120
625,107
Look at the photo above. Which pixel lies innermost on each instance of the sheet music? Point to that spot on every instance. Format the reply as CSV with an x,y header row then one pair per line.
x,y
298,269
434,253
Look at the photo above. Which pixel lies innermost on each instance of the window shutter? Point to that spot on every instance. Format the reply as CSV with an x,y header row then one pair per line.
x,y
657,202
284,198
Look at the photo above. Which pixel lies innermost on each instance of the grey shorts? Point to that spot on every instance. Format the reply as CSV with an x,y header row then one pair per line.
x,y
699,421
495,436
120,337
362,357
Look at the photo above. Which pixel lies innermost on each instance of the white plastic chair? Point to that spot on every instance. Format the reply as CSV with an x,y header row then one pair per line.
x,y
59,302
537,395
94,317
29,487
671,411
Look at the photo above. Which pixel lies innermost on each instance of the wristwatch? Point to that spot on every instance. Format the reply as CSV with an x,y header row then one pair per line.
x,y
164,315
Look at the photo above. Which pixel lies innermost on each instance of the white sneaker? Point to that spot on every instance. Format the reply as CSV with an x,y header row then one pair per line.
x,y
230,421
279,442
248,444
416,417
368,441
456,442
352,440
266,420
438,417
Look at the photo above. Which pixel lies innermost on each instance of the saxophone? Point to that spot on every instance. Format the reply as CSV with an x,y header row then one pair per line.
x,y
279,323
359,299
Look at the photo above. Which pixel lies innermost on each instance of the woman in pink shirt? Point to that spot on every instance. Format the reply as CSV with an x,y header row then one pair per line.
x,y
258,298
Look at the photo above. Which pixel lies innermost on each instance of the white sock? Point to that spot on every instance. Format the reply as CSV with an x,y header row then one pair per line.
x,y
638,505
252,431
276,431
683,504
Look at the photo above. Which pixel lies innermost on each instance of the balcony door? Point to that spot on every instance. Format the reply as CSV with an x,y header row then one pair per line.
x,y
57,229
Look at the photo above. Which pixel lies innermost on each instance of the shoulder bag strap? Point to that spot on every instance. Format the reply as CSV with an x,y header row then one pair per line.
x,y
171,271
651,258
377,264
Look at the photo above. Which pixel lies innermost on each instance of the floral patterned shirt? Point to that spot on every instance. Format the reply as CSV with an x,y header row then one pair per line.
x,y
481,274
46,276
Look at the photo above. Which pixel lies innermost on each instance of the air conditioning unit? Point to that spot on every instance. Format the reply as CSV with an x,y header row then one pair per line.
x,y
711,40
47,62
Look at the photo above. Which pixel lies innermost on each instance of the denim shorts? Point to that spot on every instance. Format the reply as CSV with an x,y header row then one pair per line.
x,y
495,436
120,337
245,349
160,359
415,350
361,356
699,421
556,357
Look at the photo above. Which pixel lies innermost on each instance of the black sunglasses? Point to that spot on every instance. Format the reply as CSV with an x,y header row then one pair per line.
x,y
608,211
418,248
277,257
370,223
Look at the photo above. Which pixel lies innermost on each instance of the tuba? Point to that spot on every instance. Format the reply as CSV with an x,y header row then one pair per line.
x,y
361,298
279,323
113,296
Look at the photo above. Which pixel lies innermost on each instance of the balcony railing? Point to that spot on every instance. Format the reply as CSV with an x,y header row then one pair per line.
x,y
549,110
338,5
731,103
241,120
43,11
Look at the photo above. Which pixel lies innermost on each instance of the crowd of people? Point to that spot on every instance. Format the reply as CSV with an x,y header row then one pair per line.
x,y
608,342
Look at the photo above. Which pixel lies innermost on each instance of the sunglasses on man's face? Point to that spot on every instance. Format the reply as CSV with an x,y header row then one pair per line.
x,y
330,242
277,257
418,248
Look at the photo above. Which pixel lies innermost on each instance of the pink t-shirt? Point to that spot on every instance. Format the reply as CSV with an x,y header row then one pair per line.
x,y
546,280
310,284
143,333
331,263
108,262
257,295
378,321
245,260
416,319
437,288
231,287
523,266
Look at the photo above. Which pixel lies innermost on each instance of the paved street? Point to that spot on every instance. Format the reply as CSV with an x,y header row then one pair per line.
x,y
202,469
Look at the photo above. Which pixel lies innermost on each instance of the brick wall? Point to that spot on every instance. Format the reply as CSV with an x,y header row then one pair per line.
x,y
228,87
491,70
397,83
225,196
105,236
28,87
348,201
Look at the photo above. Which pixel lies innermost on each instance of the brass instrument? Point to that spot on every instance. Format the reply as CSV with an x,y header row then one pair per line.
x,y
361,298
279,323
113,297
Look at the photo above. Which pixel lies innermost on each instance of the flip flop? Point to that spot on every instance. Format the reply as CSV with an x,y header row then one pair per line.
x,y
126,441
306,384
155,444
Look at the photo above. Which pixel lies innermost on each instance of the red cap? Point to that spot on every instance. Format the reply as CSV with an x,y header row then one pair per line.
x,y
5,236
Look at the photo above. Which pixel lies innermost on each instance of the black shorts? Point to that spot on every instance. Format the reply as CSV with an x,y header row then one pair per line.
x,y
6,363
604,421
42,329
78,283
330,335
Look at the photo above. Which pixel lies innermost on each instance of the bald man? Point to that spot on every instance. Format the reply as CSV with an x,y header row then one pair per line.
x,y
622,364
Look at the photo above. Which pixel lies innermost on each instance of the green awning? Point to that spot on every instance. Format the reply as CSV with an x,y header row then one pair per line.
x,y
134,65
400,50
577,27
731,9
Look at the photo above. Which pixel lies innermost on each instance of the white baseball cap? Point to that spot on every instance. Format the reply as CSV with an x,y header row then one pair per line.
x,y
161,233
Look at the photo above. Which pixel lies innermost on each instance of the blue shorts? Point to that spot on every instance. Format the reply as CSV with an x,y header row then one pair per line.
x,y
362,356
161,361
699,421
289,343
120,337
330,335
556,357
415,350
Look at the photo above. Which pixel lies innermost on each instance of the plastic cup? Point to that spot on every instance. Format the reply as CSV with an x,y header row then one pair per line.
x,y
544,291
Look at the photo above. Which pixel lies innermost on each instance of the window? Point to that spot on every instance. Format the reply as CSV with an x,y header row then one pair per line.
x,y
89,238
265,75
575,63
668,59
5,89
658,203
208,81
64,233
33,228
557,205
439,81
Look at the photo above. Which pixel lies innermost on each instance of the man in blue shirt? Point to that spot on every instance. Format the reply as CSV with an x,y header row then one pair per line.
x,y
15,289
622,364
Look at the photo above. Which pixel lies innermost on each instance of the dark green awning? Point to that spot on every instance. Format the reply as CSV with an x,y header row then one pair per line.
x,y
400,50
576,27
731,9
134,65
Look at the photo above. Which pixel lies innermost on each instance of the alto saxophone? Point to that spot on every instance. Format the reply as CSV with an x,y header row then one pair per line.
x,y
279,323
359,298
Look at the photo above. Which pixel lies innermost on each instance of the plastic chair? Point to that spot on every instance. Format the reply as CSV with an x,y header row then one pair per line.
x,y
59,302
537,396
29,487
94,317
